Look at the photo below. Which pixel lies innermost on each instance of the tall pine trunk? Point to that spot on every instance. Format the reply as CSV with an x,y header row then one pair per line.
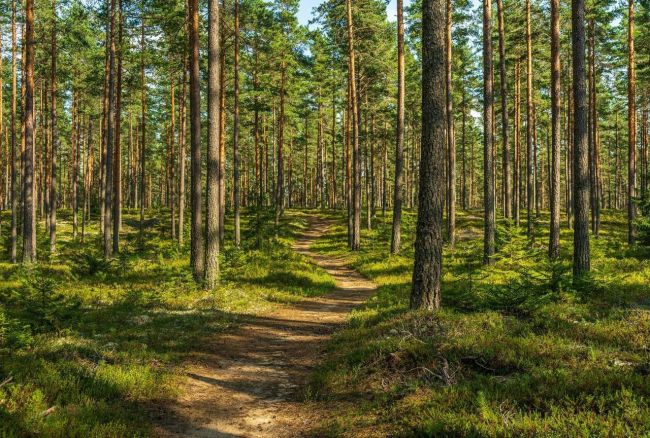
x,y
554,238
427,271
198,250
581,259
507,203
29,204
398,191
631,127
214,127
488,140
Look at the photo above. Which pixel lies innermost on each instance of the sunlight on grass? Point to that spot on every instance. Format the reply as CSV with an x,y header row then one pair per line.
x,y
88,346
515,351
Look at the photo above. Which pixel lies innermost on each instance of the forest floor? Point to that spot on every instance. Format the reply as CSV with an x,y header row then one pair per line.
x,y
250,381
133,347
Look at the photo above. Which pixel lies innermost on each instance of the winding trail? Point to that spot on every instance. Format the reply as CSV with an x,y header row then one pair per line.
x,y
249,382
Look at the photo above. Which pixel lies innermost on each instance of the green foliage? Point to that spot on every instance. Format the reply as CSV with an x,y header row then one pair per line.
x,y
516,350
101,341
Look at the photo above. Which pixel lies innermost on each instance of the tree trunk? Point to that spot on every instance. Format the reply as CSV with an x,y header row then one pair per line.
x,y
14,195
451,138
631,127
554,238
530,169
507,203
516,167
29,211
143,129
488,141
235,149
398,191
355,125
55,137
110,138
214,136
117,167
581,262
198,250
427,271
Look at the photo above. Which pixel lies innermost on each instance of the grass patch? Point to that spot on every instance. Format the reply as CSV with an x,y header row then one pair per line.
x,y
87,346
516,350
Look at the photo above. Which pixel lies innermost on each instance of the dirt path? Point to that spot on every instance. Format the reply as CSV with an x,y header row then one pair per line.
x,y
249,382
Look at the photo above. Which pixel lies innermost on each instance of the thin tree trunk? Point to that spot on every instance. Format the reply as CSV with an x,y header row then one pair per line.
x,y
55,135
198,250
143,129
398,191
235,149
14,195
451,138
355,125
631,128
530,181
117,168
507,203
554,238
29,211
488,141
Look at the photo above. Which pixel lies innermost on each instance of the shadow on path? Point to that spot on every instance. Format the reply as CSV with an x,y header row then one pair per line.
x,y
248,383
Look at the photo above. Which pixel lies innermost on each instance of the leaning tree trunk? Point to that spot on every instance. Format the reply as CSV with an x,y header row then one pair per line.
x,y
427,271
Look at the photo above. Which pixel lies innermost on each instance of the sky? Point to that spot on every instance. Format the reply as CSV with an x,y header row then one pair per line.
x,y
306,7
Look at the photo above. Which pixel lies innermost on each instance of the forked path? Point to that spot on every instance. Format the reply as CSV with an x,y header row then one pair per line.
x,y
249,382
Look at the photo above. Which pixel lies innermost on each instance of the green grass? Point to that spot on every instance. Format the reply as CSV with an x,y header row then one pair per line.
x,y
516,350
104,342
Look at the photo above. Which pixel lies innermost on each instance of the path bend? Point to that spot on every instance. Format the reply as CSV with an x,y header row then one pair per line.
x,y
248,382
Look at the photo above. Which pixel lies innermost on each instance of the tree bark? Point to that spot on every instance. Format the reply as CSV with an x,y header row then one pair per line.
x,y
235,149
117,167
198,250
488,140
581,259
451,138
507,203
530,125
398,191
554,238
212,246
355,125
631,128
29,205
427,271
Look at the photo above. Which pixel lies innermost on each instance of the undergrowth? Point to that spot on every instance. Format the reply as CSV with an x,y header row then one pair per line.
x,y
517,350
